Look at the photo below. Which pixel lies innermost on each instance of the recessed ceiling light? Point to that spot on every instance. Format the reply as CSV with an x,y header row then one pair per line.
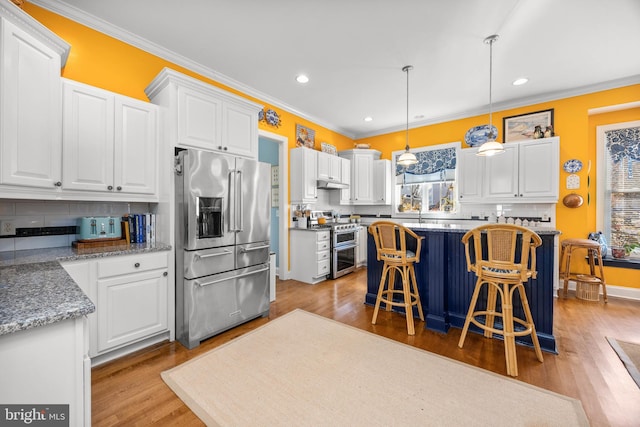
x,y
520,81
368,119
301,78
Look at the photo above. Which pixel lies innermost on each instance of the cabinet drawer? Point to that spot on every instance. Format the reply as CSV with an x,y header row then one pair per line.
x,y
323,255
322,246
323,235
132,264
323,267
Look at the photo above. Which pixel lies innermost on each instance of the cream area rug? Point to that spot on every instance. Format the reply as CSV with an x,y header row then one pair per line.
x,y
302,369
629,354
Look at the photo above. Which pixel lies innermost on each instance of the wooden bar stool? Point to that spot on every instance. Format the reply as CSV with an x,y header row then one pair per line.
x,y
495,264
391,247
593,252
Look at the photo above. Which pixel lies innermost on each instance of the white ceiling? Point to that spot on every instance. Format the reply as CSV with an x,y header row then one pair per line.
x,y
354,50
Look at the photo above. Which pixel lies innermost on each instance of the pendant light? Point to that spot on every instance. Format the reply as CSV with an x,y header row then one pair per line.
x,y
407,158
491,147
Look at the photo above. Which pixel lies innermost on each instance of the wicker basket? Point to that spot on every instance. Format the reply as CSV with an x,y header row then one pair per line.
x,y
587,287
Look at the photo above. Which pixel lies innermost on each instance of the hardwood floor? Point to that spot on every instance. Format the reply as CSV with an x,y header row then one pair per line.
x,y
130,392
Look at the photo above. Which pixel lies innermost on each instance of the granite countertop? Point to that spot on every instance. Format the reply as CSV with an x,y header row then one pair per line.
x,y
455,228
35,290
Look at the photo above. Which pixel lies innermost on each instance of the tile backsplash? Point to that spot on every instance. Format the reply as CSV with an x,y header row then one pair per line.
x,y
48,213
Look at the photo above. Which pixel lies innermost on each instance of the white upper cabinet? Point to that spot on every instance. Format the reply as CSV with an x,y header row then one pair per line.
x,y
206,117
303,175
109,141
471,177
362,175
382,182
30,112
527,171
330,167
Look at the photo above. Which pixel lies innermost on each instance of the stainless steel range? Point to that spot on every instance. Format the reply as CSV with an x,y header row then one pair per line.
x,y
344,243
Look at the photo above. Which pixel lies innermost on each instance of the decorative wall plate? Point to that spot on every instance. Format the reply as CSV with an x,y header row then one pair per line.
x,y
478,135
573,182
572,166
270,117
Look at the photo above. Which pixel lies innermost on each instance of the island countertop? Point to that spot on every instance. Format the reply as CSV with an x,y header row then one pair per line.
x,y
35,290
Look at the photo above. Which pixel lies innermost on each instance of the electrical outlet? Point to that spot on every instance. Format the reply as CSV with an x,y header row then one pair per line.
x,y
7,228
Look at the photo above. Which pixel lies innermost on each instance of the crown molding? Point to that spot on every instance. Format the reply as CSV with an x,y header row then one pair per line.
x,y
103,26
128,37
515,103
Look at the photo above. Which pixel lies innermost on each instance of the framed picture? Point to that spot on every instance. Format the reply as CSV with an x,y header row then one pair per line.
x,y
305,137
517,128
328,148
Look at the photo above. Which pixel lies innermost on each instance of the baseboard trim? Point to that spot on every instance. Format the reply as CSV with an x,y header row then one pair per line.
x,y
612,291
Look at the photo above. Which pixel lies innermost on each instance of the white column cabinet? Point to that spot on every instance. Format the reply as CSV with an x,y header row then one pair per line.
x,y
204,116
109,141
345,194
30,112
527,172
361,186
303,175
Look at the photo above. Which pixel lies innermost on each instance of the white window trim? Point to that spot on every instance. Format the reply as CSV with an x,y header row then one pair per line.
x,y
394,154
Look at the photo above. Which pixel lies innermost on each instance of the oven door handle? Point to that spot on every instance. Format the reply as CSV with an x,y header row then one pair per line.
x,y
350,246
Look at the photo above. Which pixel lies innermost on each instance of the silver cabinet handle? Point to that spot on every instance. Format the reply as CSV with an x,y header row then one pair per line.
x,y
136,265
250,273
57,184
243,250
225,252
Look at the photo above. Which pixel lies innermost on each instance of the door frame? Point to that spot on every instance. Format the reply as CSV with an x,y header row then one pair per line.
x,y
283,270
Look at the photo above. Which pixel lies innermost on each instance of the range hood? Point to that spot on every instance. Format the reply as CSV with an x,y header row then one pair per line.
x,y
332,185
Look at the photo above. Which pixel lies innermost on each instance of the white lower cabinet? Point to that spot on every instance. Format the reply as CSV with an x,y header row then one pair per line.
x,y
131,295
310,255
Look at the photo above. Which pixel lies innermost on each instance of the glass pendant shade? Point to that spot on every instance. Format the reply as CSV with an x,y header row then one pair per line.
x,y
491,147
407,158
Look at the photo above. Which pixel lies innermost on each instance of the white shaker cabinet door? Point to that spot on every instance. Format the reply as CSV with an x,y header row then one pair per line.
x,y
240,130
501,174
539,169
131,308
31,120
88,138
470,175
199,118
135,146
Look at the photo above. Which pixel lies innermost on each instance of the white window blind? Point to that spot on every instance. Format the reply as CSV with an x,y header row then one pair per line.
x,y
622,188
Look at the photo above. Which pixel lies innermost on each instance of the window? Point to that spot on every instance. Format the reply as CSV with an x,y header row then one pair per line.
x,y
619,184
428,186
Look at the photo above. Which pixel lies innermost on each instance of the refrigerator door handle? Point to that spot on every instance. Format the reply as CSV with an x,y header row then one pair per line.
x,y
255,248
232,200
224,279
239,198
225,252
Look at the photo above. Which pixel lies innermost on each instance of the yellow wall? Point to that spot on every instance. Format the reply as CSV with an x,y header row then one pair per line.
x,y
577,132
105,62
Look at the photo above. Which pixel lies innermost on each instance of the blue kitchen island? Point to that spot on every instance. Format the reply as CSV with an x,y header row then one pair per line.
x,y
445,285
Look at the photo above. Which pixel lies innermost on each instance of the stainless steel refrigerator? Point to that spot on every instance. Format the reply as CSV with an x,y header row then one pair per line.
x,y
223,209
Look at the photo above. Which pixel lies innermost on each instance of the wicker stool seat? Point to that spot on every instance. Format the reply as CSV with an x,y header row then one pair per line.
x,y
493,260
594,252
391,248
